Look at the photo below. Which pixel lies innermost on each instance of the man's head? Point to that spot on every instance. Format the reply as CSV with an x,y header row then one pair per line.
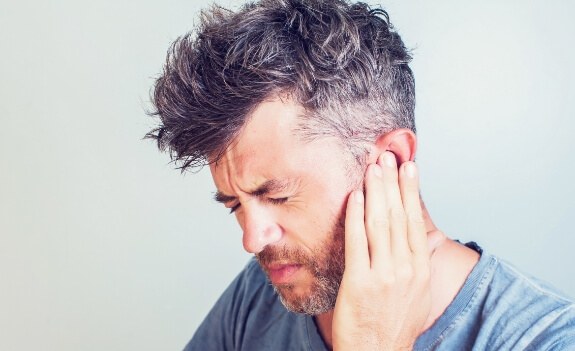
x,y
287,100
342,62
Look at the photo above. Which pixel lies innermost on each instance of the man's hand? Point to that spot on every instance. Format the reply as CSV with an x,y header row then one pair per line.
x,y
384,298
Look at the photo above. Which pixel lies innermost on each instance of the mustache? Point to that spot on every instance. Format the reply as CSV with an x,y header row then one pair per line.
x,y
272,254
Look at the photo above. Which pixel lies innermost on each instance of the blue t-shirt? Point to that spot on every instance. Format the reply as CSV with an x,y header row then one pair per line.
x,y
498,308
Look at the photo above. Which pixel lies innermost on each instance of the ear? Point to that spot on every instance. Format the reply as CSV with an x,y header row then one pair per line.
x,y
402,142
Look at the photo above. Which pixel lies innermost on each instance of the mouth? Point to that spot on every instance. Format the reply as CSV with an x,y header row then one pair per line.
x,y
280,273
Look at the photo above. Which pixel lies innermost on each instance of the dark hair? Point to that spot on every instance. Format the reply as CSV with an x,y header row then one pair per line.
x,y
341,61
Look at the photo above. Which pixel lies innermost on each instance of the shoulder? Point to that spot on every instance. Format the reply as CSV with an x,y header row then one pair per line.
x,y
524,311
511,286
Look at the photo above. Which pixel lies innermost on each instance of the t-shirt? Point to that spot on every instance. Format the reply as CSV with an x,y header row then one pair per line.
x,y
498,308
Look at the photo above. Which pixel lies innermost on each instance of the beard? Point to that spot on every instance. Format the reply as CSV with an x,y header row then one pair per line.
x,y
325,264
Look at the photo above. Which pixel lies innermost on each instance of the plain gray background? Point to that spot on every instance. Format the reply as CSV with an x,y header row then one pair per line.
x,y
104,246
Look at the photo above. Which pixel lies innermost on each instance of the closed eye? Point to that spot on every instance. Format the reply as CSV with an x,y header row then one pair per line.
x,y
277,201
271,200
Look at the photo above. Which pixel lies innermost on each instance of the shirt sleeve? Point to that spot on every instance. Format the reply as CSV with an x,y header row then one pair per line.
x,y
559,335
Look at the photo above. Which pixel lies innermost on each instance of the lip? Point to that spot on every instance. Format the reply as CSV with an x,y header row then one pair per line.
x,y
282,273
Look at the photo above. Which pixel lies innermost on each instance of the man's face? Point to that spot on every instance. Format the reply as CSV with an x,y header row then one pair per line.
x,y
289,198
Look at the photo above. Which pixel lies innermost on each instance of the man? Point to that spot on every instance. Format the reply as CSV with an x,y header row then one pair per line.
x,y
304,112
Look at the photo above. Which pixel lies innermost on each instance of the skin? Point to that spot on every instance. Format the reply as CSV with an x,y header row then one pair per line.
x,y
400,271
386,285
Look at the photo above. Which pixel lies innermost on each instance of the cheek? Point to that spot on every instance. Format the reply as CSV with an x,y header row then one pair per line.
x,y
332,192
336,200
325,212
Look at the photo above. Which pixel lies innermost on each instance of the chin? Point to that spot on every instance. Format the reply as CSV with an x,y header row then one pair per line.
x,y
317,299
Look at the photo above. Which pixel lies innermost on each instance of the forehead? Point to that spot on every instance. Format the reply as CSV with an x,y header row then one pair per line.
x,y
268,147
269,128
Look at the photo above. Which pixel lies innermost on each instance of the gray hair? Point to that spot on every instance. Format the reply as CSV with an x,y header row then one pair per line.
x,y
341,61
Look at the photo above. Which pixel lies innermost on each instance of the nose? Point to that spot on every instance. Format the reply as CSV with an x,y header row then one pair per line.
x,y
260,228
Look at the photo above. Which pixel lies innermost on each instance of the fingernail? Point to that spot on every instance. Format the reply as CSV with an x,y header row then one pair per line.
x,y
410,169
377,170
389,159
358,196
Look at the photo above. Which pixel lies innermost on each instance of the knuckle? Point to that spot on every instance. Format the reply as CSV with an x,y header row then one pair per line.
x,y
371,290
423,275
415,217
398,214
388,279
405,272
377,222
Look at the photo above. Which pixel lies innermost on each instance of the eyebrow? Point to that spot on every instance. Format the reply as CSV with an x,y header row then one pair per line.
x,y
269,186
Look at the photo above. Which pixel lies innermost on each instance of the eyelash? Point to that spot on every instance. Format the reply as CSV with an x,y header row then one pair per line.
x,y
277,201
272,201
234,208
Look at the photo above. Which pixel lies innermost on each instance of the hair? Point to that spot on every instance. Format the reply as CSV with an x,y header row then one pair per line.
x,y
341,61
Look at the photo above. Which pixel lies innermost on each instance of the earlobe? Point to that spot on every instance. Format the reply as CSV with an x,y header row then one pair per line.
x,y
402,142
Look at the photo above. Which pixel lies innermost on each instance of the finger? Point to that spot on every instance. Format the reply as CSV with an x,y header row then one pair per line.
x,y
376,216
416,232
356,247
398,226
